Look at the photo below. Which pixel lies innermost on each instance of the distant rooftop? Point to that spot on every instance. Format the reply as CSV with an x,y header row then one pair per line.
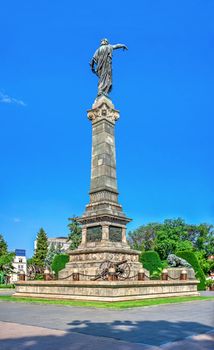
x,y
58,238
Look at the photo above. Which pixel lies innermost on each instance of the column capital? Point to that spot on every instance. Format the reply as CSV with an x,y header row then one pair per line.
x,y
103,109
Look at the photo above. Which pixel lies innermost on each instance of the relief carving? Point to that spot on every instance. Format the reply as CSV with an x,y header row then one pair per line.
x,y
103,112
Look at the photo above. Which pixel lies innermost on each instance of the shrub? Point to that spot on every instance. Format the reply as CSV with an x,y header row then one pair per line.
x,y
39,277
59,263
151,261
191,258
209,283
7,285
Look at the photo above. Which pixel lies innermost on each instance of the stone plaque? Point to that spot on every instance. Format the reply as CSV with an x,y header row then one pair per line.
x,y
115,234
94,234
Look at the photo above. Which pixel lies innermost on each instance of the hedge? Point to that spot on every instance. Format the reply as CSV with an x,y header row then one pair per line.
x,y
191,258
59,262
151,261
7,286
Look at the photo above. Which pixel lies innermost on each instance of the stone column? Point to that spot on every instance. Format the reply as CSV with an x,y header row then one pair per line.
x,y
84,232
103,162
105,232
103,209
124,234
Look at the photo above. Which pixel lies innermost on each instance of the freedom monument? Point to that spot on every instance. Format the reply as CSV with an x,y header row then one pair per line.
x,y
104,222
104,267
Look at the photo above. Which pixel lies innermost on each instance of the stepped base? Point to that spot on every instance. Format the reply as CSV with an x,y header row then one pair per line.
x,y
88,260
105,290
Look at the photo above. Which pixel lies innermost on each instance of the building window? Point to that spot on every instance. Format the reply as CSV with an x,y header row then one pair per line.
x,y
20,260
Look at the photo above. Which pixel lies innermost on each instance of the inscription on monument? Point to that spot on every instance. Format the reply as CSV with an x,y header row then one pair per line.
x,y
115,234
94,234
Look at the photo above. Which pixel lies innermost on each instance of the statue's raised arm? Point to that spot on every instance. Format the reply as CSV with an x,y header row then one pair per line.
x,y
120,46
101,65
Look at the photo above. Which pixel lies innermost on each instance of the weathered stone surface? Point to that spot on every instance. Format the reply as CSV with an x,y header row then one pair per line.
x,y
103,208
174,272
103,213
88,260
106,290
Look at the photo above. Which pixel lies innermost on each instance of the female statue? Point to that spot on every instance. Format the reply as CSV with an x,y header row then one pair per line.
x,y
102,59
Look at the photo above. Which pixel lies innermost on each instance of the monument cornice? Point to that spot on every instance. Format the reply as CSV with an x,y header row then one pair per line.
x,y
93,219
103,109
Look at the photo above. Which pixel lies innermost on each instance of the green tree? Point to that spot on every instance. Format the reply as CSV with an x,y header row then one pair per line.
x,y
191,258
151,261
6,261
59,262
53,250
41,248
172,235
75,233
3,246
175,235
143,238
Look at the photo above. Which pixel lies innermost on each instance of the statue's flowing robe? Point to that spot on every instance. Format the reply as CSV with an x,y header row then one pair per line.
x,y
103,60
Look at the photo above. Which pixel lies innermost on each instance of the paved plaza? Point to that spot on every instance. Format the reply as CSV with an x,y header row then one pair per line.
x,y
40,327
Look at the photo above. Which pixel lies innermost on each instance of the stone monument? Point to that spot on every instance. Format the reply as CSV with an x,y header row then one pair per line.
x,y
104,247
103,222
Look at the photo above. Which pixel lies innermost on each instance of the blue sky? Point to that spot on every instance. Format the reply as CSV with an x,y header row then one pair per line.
x,y
163,87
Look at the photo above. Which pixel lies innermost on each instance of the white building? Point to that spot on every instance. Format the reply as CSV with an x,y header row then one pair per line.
x,y
19,264
57,242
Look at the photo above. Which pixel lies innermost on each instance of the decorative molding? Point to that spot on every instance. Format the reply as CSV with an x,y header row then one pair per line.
x,y
103,111
103,195
84,220
114,257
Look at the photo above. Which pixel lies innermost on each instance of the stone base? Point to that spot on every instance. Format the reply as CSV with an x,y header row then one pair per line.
x,y
88,261
174,272
105,291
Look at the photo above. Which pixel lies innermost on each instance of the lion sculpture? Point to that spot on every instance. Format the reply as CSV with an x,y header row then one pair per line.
x,y
176,261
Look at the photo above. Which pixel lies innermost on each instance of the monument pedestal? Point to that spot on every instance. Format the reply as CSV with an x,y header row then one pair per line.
x,y
104,235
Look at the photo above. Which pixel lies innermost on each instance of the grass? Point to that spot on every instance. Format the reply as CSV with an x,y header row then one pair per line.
x,y
106,305
6,286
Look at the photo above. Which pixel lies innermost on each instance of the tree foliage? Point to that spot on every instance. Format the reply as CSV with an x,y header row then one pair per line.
x,y
191,258
6,260
75,233
53,250
143,238
41,248
3,246
59,263
173,235
151,261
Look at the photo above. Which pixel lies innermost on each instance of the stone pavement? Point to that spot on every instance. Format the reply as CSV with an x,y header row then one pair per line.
x,y
7,291
41,327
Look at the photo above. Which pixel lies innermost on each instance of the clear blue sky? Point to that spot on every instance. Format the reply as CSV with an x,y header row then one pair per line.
x,y
163,87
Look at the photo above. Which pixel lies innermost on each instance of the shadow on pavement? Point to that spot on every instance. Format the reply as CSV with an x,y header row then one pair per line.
x,y
117,335
149,332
